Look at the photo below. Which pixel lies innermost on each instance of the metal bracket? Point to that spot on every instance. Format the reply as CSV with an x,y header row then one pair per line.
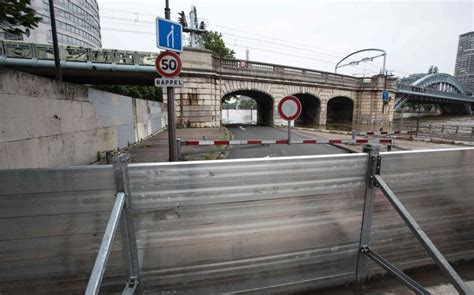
x,y
130,286
385,264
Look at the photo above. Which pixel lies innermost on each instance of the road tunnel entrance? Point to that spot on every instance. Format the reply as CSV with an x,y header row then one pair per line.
x,y
311,109
255,107
339,111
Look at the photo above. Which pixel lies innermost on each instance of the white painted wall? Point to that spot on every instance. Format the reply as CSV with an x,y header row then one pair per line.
x,y
44,123
239,116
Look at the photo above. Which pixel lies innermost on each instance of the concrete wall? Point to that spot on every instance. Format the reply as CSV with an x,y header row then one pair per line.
x,y
44,123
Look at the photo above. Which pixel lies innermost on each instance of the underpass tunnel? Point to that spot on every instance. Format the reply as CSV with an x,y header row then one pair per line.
x,y
263,103
340,110
310,110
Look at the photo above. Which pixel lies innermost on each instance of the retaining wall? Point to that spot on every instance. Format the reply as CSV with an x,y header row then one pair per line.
x,y
45,123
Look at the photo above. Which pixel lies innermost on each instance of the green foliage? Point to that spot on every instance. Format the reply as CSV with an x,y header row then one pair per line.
x,y
246,104
137,91
17,17
214,42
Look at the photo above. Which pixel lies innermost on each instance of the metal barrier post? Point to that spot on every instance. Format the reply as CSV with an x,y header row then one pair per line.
x,y
353,134
127,227
373,166
178,148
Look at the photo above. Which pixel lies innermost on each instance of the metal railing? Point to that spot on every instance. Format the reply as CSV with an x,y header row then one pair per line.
x,y
443,131
23,50
374,181
121,213
415,90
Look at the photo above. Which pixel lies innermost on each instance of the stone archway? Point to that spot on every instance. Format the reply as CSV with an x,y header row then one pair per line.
x,y
265,104
340,111
311,109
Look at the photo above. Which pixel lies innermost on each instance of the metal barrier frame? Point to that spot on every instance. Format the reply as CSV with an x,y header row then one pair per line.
x,y
375,180
121,212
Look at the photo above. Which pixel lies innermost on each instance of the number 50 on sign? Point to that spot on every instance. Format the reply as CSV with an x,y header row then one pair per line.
x,y
168,64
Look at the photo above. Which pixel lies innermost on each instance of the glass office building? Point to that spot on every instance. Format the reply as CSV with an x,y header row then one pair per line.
x,y
77,23
464,69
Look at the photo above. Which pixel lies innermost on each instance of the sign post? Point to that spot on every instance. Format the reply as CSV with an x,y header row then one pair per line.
x,y
289,109
169,37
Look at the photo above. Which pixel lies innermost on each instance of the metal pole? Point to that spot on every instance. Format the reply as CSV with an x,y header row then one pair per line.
x,y
57,63
384,89
289,132
171,111
373,161
127,225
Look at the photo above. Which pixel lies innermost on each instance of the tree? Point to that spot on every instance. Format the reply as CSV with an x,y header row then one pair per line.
x,y
17,17
214,42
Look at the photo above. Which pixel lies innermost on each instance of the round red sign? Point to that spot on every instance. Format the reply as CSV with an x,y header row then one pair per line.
x,y
289,108
168,64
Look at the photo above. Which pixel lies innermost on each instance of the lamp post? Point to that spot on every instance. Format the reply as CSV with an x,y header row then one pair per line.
x,y
382,54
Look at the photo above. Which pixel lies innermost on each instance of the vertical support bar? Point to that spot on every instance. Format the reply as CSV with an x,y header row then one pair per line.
x,y
178,149
289,132
373,167
472,132
127,227
57,62
442,128
457,129
353,134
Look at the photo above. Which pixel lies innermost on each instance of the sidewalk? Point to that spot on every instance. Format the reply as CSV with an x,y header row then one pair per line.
x,y
155,148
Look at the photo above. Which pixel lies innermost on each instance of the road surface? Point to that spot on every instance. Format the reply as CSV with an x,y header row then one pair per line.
x,y
276,150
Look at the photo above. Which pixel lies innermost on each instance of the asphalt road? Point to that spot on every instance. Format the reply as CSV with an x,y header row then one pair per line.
x,y
276,150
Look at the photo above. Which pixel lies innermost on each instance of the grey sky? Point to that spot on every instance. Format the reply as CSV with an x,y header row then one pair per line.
x,y
415,34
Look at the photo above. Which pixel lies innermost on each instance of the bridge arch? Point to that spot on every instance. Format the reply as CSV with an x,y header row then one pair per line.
x,y
440,81
340,110
265,104
311,109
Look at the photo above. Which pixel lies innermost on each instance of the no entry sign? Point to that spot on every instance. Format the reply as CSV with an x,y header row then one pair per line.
x,y
168,64
289,108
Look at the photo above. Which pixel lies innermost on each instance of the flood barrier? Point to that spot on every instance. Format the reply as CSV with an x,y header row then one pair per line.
x,y
270,225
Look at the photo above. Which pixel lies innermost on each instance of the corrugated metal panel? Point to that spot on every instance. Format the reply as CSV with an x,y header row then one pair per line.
x,y
254,225
437,189
51,225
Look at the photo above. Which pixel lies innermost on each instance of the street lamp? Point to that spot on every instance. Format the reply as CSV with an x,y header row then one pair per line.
x,y
383,54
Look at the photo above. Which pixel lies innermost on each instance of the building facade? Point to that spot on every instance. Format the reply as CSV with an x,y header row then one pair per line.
x,y
464,69
77,23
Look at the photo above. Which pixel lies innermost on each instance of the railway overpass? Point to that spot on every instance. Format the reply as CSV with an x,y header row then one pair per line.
x,y
326,97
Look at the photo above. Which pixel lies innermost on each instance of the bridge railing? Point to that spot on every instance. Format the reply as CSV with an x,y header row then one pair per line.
x,y
16,49
414,90
261,67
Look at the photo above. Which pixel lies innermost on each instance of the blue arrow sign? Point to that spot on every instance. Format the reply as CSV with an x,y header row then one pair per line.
x,y
169,35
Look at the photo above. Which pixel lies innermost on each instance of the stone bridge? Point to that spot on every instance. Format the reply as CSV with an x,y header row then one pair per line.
x,y
326,97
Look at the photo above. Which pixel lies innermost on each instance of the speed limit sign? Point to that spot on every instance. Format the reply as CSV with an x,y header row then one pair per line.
x,y
168,64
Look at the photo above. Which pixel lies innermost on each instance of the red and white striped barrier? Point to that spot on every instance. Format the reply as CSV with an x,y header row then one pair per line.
x,y
285,141
383,132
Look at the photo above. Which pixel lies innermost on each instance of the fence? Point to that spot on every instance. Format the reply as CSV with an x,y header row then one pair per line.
x,y
445,131
250,225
